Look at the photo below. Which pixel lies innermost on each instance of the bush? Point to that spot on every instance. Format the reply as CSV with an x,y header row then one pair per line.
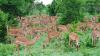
x,y
6,49
85,38
3,21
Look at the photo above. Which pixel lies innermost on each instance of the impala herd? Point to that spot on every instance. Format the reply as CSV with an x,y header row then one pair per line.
x,y
26,28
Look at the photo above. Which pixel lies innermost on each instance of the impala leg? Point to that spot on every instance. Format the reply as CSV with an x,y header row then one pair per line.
x,y
56,27
46,42
93,41
70,43
25,51
29,48
15,51
17,48
77,46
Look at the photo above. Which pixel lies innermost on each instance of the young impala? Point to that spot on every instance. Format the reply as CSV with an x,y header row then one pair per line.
x,y
73,37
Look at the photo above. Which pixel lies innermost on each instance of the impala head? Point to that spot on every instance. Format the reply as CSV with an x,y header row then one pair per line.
x,y
73,37
94,19
37,37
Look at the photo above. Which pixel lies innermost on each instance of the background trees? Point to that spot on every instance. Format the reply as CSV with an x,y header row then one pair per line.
x,y
9,9
73,10
67,9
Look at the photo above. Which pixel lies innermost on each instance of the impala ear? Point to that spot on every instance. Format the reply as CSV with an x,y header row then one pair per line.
x,y
19,18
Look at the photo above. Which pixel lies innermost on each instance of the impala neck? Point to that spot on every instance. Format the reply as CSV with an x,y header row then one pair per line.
x,y
35,39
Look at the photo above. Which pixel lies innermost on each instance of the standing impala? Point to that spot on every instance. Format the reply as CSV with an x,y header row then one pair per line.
x,y
53,22
14,32
95,34
97,25
22,40
96,31
73,37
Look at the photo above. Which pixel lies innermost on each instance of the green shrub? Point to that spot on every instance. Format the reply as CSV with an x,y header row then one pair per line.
x,y
85,38
3,20
6,49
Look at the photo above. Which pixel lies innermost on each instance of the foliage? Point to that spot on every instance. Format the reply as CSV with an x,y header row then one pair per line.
x,y
3,20
39,7
52,8
66,8
6,49
92,6
16,7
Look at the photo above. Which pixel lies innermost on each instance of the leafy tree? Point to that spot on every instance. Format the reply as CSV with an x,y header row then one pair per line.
x,y
16,7
69,9
97,6
52,8
92,6
39,7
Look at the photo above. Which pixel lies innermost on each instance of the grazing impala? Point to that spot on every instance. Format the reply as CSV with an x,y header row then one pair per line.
x,y
22,40
73,37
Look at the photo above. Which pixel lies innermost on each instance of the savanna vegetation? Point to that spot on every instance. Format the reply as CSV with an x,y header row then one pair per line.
x,y
78,16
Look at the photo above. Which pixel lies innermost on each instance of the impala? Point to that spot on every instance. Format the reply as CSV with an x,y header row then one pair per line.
x,y
90,24
14,31
95,34
22,40
53,22
97,26
82,26
73,37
